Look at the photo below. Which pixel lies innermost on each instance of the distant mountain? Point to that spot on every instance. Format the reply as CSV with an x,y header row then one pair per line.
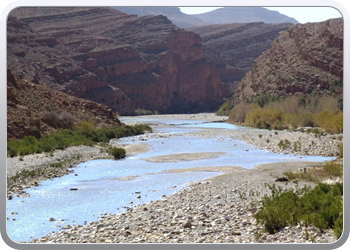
x,y
244,15
172,13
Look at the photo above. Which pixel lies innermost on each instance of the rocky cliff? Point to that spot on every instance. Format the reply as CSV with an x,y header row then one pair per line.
x,y
232,48
123,61
33,109
305,59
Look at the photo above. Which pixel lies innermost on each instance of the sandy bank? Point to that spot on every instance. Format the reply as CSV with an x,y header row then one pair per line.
x,y
184,157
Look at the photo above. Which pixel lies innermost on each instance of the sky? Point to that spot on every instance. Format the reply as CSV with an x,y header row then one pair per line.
x,y
301,14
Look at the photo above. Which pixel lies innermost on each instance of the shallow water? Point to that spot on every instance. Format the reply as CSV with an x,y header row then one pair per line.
x,y
102,188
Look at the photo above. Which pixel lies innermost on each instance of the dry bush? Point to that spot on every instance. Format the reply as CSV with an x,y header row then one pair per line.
x,y
239,112
51,118
305,104
265,118
329,103
299,120
330,121
289,104
67,120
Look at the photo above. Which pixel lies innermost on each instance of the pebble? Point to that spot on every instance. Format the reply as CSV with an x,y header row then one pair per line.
x,y
192,216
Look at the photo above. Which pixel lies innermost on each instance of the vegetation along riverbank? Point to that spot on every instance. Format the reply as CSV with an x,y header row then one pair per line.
x,y
31,160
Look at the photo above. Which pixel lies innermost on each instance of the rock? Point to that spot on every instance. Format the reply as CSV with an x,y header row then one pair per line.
x,y
281,179
187,224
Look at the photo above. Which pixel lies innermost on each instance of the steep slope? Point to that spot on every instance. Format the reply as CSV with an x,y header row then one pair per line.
x,y
33,109
234,47
305,59
123,61
174,14
244,15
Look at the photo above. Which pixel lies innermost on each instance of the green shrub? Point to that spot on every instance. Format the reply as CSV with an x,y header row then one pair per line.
x,y
321,206
340,150
225,108
278,210
338,226
63,139
84,127
84,133
47,143
13,148
284,144
117,153
333,169
262,100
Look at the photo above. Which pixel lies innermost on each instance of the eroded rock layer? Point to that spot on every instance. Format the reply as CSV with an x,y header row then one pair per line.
x,y
123,61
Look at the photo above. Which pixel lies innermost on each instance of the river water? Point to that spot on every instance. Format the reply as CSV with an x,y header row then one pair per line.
x,y
110,186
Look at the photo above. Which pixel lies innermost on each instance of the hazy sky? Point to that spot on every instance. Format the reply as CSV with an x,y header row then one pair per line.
x,y
301,14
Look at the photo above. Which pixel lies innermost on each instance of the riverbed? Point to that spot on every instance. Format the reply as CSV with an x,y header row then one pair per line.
x,y
161,168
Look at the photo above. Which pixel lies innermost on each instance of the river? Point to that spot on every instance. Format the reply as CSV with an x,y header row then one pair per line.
x,y
104,186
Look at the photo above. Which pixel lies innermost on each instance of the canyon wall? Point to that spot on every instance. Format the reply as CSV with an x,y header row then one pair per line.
x,y
123,61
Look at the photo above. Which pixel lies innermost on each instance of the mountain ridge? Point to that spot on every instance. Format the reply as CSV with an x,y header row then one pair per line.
x,y
218,16
244,15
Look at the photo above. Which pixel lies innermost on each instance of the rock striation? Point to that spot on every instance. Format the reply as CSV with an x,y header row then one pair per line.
x,y
123,61
233,47
304,59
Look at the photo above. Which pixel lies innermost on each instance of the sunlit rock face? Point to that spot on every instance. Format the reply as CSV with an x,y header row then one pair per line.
x,y
304,59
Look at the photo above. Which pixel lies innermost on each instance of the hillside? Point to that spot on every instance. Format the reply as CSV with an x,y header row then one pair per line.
x,y
244,15
305,59
33,109
122,61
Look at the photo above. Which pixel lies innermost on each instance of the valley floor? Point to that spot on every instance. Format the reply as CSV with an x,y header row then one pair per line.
x,y
217,210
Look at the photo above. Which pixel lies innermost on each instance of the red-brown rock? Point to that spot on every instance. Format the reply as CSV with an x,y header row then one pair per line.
x,y
120,60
